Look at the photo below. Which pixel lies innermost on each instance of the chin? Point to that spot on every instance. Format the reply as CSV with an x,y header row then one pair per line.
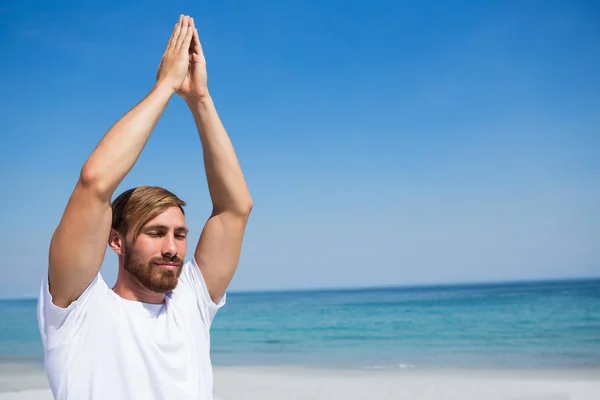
x,y
153,278
164,283
158,283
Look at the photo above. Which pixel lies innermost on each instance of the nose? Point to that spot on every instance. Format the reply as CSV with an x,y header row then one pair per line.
x,y
169,246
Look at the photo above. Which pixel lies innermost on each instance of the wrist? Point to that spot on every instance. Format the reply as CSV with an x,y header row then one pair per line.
x,y
195,99
199,103
163,88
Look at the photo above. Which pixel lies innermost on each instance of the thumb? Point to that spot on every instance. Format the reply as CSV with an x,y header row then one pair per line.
x,y
196,58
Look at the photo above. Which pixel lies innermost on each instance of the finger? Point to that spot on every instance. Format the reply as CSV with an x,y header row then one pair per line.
x,y
182,33
192,44
189,34
175,34
198,54
192,25
197,45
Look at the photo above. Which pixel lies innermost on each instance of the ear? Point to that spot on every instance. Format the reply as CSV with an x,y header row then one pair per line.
x,y
116,242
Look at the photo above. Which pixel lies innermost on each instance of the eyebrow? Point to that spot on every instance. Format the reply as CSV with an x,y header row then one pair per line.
x,y
166,228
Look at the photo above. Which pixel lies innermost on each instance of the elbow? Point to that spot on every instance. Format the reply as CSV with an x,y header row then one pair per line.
x,y
91,179
239,209
244,208
88,176
247,207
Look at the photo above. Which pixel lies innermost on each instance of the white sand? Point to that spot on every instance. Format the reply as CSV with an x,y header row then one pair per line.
x,y
238,383
296,384
27,395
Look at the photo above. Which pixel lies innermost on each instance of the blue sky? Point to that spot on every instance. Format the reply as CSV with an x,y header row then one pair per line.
x,y
384,143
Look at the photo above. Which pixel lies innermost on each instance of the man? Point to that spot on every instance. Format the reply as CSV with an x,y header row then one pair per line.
x,y
148,336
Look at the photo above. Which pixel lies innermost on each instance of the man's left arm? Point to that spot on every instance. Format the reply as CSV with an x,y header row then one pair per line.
x,y
220,244
218,250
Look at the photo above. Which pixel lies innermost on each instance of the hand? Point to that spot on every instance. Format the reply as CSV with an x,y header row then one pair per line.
x,y
176,59
194,86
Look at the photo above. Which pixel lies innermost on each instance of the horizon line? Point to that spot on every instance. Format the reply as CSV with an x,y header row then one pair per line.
x,y
524,281
409,286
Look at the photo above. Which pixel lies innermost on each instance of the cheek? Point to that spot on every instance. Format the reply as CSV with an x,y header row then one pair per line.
x,y
182,248
147,249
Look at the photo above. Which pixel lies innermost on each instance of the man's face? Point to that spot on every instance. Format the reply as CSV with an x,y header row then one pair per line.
x,y
155,260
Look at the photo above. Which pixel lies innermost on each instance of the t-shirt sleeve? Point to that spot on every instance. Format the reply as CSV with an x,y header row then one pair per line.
x,y
192,281
58,326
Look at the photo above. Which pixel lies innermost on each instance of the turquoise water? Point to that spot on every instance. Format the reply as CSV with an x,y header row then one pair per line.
x,y
529,325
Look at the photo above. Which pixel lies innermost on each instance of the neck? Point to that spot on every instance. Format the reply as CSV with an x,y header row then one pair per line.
x,y
130,289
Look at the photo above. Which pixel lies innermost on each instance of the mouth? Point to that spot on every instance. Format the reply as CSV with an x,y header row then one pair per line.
x,y
167,266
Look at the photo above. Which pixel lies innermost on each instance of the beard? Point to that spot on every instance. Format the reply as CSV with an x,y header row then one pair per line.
x,y
150,275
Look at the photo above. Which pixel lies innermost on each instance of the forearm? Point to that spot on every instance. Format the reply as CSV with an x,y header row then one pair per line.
x,y
120,148
226,183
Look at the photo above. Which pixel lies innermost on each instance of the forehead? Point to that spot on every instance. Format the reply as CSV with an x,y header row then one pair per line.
x,y
171,217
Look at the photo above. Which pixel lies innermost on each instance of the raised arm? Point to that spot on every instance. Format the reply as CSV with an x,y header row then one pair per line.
x,y
79,242
220,243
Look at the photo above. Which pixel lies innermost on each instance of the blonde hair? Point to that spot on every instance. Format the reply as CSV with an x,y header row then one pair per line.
x,y
133,208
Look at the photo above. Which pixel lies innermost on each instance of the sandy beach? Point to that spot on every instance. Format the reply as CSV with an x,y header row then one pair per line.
x,y
253,383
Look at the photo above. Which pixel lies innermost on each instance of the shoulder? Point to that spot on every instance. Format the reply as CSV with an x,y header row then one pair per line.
x,y
58,325
192,290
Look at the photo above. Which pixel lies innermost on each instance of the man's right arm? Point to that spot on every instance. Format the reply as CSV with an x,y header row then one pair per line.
x,y
79,242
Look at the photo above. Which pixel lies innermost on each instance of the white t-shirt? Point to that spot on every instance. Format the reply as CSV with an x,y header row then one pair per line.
x,y
103,347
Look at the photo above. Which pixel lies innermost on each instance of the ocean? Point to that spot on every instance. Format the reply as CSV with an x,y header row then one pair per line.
x,y
533,325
